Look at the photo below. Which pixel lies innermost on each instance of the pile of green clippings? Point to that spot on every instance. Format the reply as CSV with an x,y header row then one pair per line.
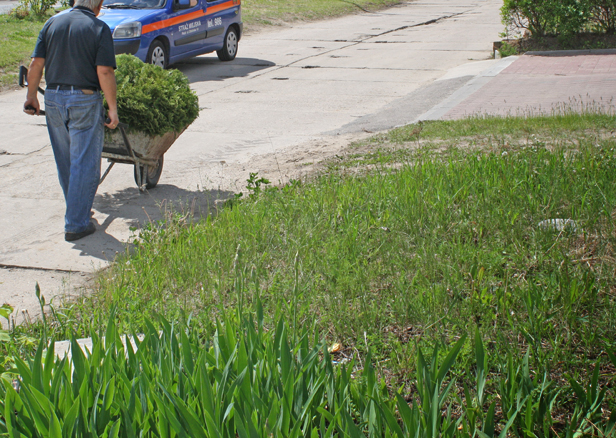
x,y
153,100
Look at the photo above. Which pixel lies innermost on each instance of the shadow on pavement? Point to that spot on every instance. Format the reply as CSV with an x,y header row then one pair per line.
x,y
133,210
208,68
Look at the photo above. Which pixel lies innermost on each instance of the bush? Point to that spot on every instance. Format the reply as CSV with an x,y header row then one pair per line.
x,y
507,49
153,100
603,15
528,14
547,17
35,9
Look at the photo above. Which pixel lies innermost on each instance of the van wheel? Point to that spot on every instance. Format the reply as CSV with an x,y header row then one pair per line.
x,y
229,49
157,54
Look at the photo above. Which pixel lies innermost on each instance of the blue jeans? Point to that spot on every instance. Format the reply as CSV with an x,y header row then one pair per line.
x,y
75,124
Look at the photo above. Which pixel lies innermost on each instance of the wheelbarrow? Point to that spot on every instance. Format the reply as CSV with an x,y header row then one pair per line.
x,y
143,151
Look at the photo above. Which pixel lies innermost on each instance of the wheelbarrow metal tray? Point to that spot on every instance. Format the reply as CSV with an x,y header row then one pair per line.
x,y
144,151
144,146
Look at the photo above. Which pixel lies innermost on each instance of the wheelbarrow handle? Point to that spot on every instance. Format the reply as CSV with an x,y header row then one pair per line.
x,y
120,125
30,107
23,79
23,82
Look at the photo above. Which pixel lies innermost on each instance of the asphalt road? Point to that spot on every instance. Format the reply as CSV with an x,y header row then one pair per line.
x,y
309,87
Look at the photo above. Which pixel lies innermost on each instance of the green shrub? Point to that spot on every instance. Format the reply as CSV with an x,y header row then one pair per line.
x,y
546,17
507,49
573,16
603,15
34,9
528,14
153,100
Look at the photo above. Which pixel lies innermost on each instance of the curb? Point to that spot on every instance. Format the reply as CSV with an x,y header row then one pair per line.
x,y
496,45
572,52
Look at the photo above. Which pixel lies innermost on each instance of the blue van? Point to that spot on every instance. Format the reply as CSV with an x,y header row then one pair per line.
x,y
163,32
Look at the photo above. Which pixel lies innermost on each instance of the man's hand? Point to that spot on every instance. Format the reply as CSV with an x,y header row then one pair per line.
x,y
106,77
32,106
35,73
113,119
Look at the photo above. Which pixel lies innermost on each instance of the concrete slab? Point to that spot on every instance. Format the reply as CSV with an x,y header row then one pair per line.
x,y
62,349
15,140
18,290
387,57
31,176
7,5
413,106
5,160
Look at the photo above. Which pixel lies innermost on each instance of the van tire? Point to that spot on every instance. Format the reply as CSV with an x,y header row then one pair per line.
x,y
229,49
158,54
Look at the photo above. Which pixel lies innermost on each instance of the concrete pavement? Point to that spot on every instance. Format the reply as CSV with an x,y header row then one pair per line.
x,y
293,96
7,5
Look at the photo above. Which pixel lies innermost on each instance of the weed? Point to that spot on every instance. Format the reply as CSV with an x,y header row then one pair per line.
x,y
254,184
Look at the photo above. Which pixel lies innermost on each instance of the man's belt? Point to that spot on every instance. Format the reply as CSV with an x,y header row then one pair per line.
x,y
71,87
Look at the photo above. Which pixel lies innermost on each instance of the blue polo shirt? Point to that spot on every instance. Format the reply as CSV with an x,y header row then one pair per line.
x,y
73,45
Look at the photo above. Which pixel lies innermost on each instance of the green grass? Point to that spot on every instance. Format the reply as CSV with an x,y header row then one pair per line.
x,y
272,12
17,39
400,245
452,231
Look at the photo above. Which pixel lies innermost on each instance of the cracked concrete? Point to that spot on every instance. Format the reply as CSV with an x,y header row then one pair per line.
x,y
293,97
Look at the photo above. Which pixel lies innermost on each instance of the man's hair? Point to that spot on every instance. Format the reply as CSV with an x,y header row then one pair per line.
x,y
90,4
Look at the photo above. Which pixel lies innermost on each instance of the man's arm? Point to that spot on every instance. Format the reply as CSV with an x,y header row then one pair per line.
x,y
35,73
106,77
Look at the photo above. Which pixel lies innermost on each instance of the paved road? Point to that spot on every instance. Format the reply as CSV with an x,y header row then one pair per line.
x,y
296,88
7,5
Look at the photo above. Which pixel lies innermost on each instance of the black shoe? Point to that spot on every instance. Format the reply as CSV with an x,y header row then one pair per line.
x,y
70,237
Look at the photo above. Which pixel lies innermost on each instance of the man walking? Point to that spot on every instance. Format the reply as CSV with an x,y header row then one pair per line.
x,y
76,51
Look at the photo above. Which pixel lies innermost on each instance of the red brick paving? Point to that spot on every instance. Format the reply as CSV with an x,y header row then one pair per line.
x,y
543,84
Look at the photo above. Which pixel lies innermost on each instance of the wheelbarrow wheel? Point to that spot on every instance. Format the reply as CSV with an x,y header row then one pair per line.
x,y
149,174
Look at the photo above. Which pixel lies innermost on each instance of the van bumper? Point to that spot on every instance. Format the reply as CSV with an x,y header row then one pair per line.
x,y
126,46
